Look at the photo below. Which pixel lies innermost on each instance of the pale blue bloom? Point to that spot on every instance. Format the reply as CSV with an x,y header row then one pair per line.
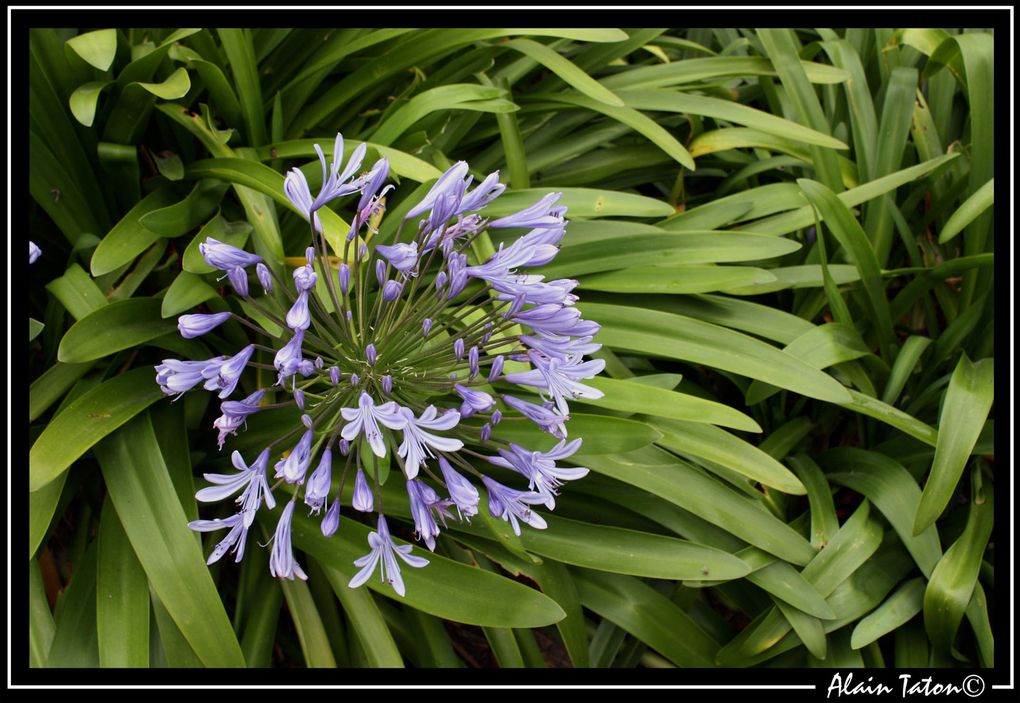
x,y
512,505
319,482
265,279
298,317
192,326
33,252
235,414
545,416
403,257
292,469
474,401
384,553
559,379
362,500
540,468
366,418
426,506
225,256
225,376
419,442
282,563
463,494
235,538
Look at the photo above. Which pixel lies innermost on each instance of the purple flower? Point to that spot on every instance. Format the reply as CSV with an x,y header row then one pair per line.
x,y
305,278
225,376
344,276
334,375
365,419
473,361
224,256
392,290
318,484
403,257
282,563
331,522
177,377
334,183
541,214
235,414
474,401
239,280
299,398
543,475
450,182
371,197
265,279
387,384
298,317
33,252
370,354
426,326
250,478
563,349
542,415
288,357
418,442
380,272
362,499
483,194
292,469
458,348
385,550
497,368
462,492
235,538
512,505
425,508
553,320
560,378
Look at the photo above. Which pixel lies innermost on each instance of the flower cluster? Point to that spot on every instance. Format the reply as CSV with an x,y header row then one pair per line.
x,y
395,351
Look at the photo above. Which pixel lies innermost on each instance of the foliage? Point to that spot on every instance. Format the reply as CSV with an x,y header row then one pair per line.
x,y
786,236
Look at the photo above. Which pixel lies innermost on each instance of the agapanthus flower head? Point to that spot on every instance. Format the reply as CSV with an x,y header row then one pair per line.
x,y
396,358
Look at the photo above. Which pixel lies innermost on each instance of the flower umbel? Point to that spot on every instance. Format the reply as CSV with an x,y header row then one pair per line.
x,y
392,351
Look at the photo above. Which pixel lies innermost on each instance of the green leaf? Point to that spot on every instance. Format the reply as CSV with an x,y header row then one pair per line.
x,y
854,241
631,250
42,504
718,446
953,580
308,623
677,280
581,202
40,619
968,400
565,69
445,588
87,420
77,292
129,238
651,617
122,598
237,45
634,397
143,494
629,551
969,211
681,484
640,123
187,291
887,484
175,86
602,434
96,48
642,330
84,99
458,96
174,220
74,640
34,328
117,326
366,620
894,417
897,609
